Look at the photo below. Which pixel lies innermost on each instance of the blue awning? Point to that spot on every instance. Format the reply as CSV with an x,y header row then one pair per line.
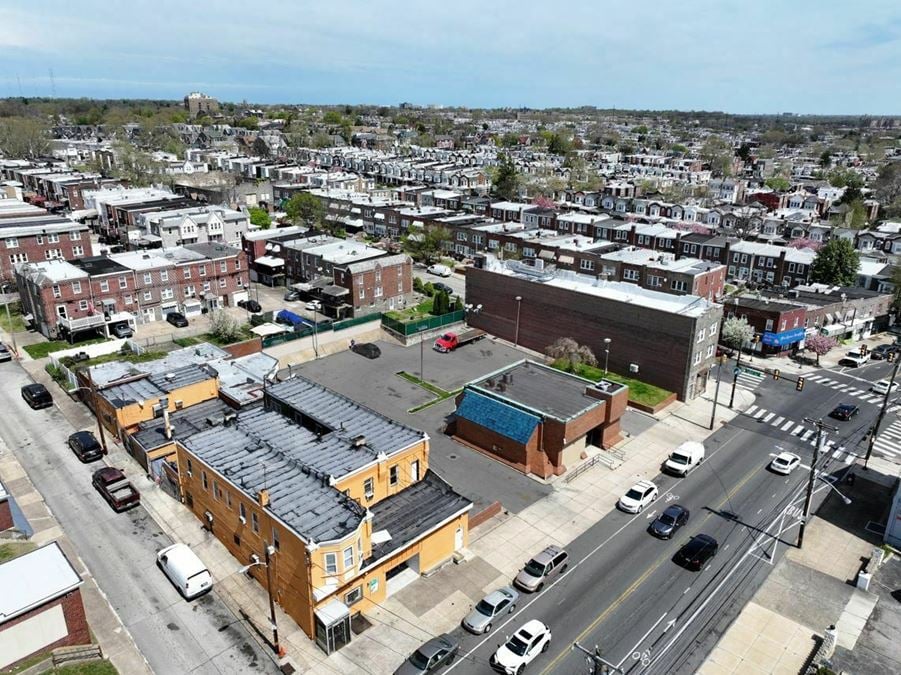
x,y
786,337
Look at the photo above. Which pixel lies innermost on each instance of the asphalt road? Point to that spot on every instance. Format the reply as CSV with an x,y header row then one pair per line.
x,y
456,281
175,636
622,592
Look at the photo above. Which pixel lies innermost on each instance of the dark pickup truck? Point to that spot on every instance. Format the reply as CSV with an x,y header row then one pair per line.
x,y
114,487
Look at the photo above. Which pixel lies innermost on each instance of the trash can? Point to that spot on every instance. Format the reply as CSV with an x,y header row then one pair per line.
x,y
863,581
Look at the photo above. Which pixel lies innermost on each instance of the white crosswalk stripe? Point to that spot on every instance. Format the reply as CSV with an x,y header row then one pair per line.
x,y
747,381
787,425
867,395
888,442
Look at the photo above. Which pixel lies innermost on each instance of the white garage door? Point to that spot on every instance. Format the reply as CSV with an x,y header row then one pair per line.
x,y
32,635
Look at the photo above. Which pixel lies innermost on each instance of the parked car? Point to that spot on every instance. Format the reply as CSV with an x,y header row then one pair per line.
x,y
122,330
85,446
884,386
5,354
434,654
854,358
695,554
185,570
367,349
522,648
37,396
545,566
844,412
444,288
638,497
114,487
495,604
439,270
881,352
313,306
669,522
177,319
250,305
784,463
685,458
291,295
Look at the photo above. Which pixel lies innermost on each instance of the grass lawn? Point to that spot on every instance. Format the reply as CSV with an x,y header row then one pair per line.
x,y
13,549
15,323
42,349
639,392
130,357
212,339
421,311
440,394
103,667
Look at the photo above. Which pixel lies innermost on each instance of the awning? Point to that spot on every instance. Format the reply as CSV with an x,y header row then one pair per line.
x,y
265,329
269,261
566,259
210,296
332,612
83,213
547,255
834,329
191,302
335,291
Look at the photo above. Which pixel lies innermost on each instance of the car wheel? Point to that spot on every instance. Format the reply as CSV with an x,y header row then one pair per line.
x,y
487,629
563,569
539,587
640,508
546,645
512,609
520,669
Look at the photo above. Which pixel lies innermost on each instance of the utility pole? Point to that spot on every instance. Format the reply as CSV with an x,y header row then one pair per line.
x,y
276,647
96,410
735,376
598,665
871,441
820,425
716,392
12,333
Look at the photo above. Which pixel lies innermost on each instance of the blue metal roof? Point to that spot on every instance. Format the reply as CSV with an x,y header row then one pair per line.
x,y
499,417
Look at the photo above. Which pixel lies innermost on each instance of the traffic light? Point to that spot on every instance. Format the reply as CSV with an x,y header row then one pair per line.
x,y
776,374
864,349
890,356
799,385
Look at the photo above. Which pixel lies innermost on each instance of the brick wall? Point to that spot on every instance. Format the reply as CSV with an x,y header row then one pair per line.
x,y
76,623
6,516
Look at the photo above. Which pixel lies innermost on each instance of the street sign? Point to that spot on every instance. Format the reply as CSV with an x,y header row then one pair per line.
x,y
749,371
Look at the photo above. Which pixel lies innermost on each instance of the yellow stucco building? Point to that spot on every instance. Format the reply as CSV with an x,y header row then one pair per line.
x,y
343,494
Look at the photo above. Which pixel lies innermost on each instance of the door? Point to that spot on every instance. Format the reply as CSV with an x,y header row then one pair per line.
x,y
458,539
414,471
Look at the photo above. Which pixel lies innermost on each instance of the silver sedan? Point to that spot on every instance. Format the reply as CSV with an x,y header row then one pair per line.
x,y
495,604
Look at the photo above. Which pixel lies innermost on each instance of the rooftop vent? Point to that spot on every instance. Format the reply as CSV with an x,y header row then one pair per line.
x,y
170,376
359,441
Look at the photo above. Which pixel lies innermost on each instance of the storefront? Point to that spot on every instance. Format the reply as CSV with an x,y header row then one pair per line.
x,y
781,342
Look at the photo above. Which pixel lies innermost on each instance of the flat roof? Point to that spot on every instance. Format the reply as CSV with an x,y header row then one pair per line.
x,y
34,579
99,264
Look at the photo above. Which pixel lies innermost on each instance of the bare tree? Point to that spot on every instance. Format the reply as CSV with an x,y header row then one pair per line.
x,y
24,137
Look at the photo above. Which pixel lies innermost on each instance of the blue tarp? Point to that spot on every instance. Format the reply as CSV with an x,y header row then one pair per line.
x,y
499,417
285,316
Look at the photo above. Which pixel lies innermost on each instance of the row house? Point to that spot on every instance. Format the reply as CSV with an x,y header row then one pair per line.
x,y
61,298
376,285
508,211
577,223
104,201
840,312
779,325
653,236
805,201
885,238
731,190
193,225
317,257
773,265
442,199
40,237
540,216
664,272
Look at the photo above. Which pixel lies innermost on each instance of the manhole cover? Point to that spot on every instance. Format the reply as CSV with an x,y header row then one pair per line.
x,y
452,456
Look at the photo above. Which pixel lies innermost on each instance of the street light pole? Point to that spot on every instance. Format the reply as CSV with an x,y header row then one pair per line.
x,y
871,441
607,342
93,391
518,306
276,647
716,391
735,375
817,448
422,354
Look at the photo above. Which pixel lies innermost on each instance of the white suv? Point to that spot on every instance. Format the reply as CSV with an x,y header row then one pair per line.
x,y
639,496
520,650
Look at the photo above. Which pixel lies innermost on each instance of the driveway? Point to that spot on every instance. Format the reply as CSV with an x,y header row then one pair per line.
x,y
375,383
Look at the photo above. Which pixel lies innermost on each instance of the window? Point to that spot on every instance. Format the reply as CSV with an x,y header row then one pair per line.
x,y
349,558
189,290
354,596
228,499
190,466
187,273
630,275
39,239
586,264
414,470
202,269
148,296
206,286
392,475
167,294
128,299
237,539
223,282
710,351
331,563
83,305
223,266
12,242
78,251
104,286
237,263
697,358
678,285
368,488
16,258
362,292
255,522
57,292
655,281
712,331
701,335
204,480
52,238
74,236
216,494
164,275
52,253
242,512
528,252
378,292
276,542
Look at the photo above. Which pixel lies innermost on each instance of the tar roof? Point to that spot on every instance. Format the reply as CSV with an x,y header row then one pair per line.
x,y
156,385
182,423
540,388
99,264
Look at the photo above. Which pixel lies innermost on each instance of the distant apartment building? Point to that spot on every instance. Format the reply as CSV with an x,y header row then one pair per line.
x,y
664,272
198,104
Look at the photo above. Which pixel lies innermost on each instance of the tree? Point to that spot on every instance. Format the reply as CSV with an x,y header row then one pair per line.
x,y
224,326
744,151
571,352
441,303
506,178
887,187
736,332
135,166
836,264
249,122
804,242
260,217
261,148
427,244
826,159
544,202
819,345
717,153
24,137
778,183
305,209
332,117
417,281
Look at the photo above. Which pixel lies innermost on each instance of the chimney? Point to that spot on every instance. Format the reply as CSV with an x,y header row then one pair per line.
x,y
263,498
167,426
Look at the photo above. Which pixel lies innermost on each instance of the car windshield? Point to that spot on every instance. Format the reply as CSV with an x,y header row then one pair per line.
x,y
634,494
782,460
419,660
676,458
447,337
485,608
667,518
517,646
534,568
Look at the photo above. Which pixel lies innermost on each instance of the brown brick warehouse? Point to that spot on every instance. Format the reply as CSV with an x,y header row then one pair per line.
x,y
665,340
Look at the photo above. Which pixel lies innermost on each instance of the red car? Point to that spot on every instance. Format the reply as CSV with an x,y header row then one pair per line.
x,y
114,487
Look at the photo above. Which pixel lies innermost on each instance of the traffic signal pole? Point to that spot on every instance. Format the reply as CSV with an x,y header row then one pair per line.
x,y
875,430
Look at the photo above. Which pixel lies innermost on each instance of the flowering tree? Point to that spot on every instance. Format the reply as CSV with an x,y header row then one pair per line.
x,y
820,345
544,202
736,332
804,242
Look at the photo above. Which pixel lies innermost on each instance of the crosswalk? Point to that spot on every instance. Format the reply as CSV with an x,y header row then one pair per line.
x,y
747,381
805,434
888,442
864,394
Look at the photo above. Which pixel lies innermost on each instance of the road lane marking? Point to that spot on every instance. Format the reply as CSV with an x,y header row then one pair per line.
x,y
769,416
642,639
779,420
786,425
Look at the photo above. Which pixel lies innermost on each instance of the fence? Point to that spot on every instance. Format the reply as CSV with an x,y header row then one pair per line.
x,y
322,327
407,328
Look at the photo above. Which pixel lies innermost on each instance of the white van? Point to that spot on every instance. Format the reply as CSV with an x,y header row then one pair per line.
x,y
185,570
439,270
685,458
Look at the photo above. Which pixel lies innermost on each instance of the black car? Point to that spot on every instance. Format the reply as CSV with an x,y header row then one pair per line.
x,y
5,354
367,349
85,446
668,522
695,554
438,286
177,319
882,351
437,652
845,411
37,396
250,305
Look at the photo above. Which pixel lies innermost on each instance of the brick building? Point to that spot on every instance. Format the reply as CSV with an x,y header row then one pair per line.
x,y
198,104
664,272
778,326
666,340
538,419
40,605
6,515
41,237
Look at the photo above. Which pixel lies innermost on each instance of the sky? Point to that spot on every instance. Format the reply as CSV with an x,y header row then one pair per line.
x,y
766,56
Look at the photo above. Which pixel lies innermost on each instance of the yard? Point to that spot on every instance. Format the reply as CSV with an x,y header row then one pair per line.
x,y
13,549
639,392
190,341
421,311
42,349
14,323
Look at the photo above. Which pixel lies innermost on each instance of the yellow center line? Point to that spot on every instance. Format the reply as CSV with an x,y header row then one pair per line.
x,y
625,594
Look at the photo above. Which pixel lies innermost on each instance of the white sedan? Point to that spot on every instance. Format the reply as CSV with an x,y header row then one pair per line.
x,y
785,463
639,496
520,650
882,386
314,305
